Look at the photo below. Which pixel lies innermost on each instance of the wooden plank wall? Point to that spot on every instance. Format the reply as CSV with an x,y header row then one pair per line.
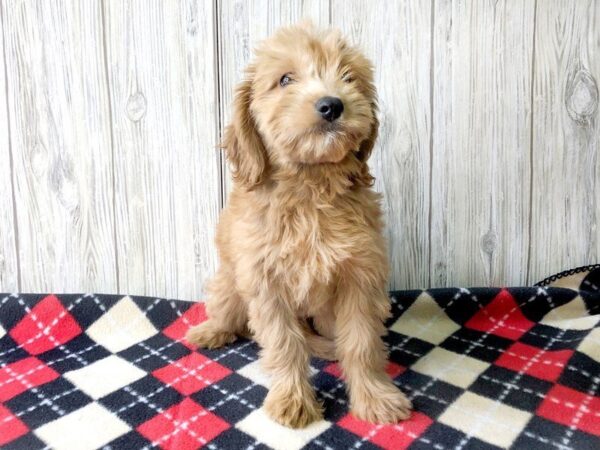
x,y
482,69
565,147
9,265
111,111
59,134
161,79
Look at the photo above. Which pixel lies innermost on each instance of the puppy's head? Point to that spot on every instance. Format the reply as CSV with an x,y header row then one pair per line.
x,y
308,98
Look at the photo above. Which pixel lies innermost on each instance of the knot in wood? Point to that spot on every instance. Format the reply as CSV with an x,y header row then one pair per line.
x,y
581,97
136,106
489,241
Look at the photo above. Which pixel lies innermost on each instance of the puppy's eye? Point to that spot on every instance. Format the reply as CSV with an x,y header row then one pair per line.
x,y
347,77
285,80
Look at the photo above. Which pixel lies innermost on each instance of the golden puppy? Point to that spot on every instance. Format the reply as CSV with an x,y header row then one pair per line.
x,y
301,236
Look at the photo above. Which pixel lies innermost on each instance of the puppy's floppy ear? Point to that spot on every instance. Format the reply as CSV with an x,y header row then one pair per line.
x,y
243,146
364,177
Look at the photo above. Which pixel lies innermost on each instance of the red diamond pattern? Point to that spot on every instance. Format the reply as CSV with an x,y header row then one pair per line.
x,y
45,327
544,364
502,317
396,437
11,427
191,373
183,426
23,375
572,408
193,316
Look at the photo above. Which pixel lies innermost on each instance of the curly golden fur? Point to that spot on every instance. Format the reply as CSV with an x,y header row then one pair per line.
x,y
301,236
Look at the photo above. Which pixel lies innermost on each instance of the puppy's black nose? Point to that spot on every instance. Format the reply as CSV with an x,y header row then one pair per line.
x,y
330,108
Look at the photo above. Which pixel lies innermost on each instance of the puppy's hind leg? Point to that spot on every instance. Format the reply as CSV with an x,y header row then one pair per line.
x,y
319,346
227,314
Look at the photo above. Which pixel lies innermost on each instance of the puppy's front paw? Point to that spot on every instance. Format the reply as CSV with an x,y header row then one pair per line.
x,y
207,335
386,405
292,408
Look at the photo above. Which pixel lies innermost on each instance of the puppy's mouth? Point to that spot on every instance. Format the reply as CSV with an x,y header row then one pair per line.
x,y
328,127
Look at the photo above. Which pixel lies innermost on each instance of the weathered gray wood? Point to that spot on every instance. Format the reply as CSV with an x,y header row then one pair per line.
x,y
161,75
482,68
60,140
242,24
566,137
110,114
9,269
397,38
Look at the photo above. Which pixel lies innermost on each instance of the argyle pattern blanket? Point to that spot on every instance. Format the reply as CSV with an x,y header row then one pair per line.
x,y
485,368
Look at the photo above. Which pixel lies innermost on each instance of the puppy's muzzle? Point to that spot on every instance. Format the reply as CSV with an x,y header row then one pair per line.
x,y
330,108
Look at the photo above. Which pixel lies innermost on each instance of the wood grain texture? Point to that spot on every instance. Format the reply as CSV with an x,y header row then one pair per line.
x,y
9,267
111,111
241,25
482,67
396,36
162,84
566,137
60,140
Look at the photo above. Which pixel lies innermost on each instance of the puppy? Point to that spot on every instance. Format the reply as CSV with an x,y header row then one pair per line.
x,y
301,235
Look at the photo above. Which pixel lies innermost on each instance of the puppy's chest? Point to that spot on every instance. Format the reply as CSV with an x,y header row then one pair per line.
x,y
307,244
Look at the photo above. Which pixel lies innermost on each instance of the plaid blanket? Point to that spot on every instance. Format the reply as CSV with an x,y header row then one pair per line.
x,y
485,368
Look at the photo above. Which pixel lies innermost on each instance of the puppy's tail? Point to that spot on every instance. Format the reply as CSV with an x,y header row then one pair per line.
x,y
319,346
